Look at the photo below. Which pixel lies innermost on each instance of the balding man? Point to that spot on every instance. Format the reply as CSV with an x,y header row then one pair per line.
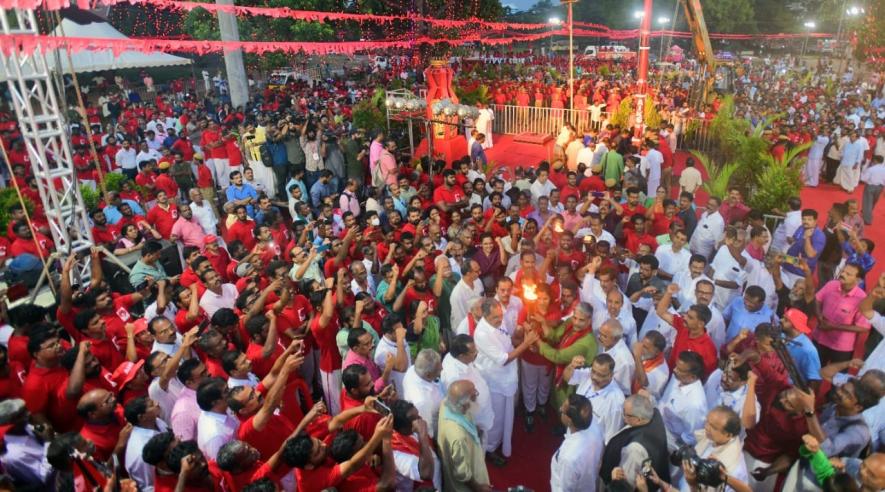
x,y
203,211
465,292
461,453
720,439
105,426
643,437
611,342
362,281
422,387
496,361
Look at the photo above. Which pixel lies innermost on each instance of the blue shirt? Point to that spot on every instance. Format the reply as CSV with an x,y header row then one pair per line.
x,y
818,240
278,154
477,153
113,214
235,193
320,190
740,318
300,184
805,354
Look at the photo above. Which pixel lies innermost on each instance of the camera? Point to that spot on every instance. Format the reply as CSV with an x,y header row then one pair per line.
x,y
708,471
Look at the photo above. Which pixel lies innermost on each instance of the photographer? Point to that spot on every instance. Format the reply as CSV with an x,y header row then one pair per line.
x,y
718,443
313,151
355,149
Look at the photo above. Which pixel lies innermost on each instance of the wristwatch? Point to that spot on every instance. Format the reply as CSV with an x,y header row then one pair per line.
x,y
809,413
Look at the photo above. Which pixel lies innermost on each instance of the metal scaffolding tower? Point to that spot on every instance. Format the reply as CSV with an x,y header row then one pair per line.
x,y
45,136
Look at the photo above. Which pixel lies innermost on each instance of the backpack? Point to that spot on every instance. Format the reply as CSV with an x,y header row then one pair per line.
x,y
266,157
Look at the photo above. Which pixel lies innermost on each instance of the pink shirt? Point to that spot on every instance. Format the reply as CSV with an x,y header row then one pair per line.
x,y
188,232
185,415
841,309
352,358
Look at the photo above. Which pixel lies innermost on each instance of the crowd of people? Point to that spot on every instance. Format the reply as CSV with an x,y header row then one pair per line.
x,y
278,301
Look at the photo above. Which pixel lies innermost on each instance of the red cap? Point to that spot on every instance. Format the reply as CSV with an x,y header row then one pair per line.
x,y
211,238
125,372
798,319
141,325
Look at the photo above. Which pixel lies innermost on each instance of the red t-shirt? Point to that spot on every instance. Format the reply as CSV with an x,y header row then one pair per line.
x,y
233,153
261,365
104,436
702,345
242,231
108,234
213,137
269,440
448,195
321,478
204,177
182,323
115,320
106,352
165,183
22,246
413,295
41,395
259,470
167,483
632,241
11,385
330,357
17,347
163,219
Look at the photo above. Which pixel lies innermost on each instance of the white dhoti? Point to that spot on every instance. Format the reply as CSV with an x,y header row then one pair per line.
x,y
766,485
501,433
265,177
535,384
812,170
331,383
798,480
221,172
847,177
652,188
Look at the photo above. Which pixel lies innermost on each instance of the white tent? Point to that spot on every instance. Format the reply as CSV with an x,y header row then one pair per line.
x,y
96,61
91,26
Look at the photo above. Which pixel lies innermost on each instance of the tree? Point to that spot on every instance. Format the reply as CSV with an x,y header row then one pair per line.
x,y
730,16
871,32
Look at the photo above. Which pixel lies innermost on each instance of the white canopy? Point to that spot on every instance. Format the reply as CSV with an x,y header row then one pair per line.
x,y
100,60
95,61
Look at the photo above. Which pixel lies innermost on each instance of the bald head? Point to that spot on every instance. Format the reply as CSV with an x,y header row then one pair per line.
x,y
96,404
461,393
872,473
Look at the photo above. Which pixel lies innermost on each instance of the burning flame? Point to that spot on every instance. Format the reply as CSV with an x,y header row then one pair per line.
x,y
529,292
558,227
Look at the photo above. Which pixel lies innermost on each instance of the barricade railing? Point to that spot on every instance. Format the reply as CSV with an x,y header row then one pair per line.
x,y
513,120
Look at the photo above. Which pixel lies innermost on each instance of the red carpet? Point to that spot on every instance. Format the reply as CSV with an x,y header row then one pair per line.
x,y
530,463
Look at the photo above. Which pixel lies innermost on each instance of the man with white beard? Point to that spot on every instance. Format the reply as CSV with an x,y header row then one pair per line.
x,y
496,362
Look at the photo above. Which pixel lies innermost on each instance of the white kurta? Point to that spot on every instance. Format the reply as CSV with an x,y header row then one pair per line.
x,y
484,126
608,402
455,370
575,465
426,396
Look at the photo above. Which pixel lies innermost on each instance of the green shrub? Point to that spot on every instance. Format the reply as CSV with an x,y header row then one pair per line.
x,y
8,198
621,116
779,180
114,181
90,197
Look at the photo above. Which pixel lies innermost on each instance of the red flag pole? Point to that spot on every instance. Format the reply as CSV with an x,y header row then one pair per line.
x,y
642,76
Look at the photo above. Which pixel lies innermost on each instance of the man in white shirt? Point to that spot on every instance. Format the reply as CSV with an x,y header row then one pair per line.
x,y
704,292
650,167
684,403
144,415
542,186
216,426
413,454
393,349
465,292
125,160
24,456
690,179
611,342
673,258
597,385
203,212
585,155
459,364
146,154
731,391
422,387
709,230
575,465
728,267
512,305
652,370
687,278
783,234
496,362
219,295
617,309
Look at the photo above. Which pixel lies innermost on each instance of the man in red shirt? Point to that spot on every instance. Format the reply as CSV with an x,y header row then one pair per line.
x,y
163,215
165,182
103,233
104,425
242,229
46,376
691,330
324,327
450,196
24,242
217,256
213,146
315,469
637,235
147,179
262,425
90,323
187,462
